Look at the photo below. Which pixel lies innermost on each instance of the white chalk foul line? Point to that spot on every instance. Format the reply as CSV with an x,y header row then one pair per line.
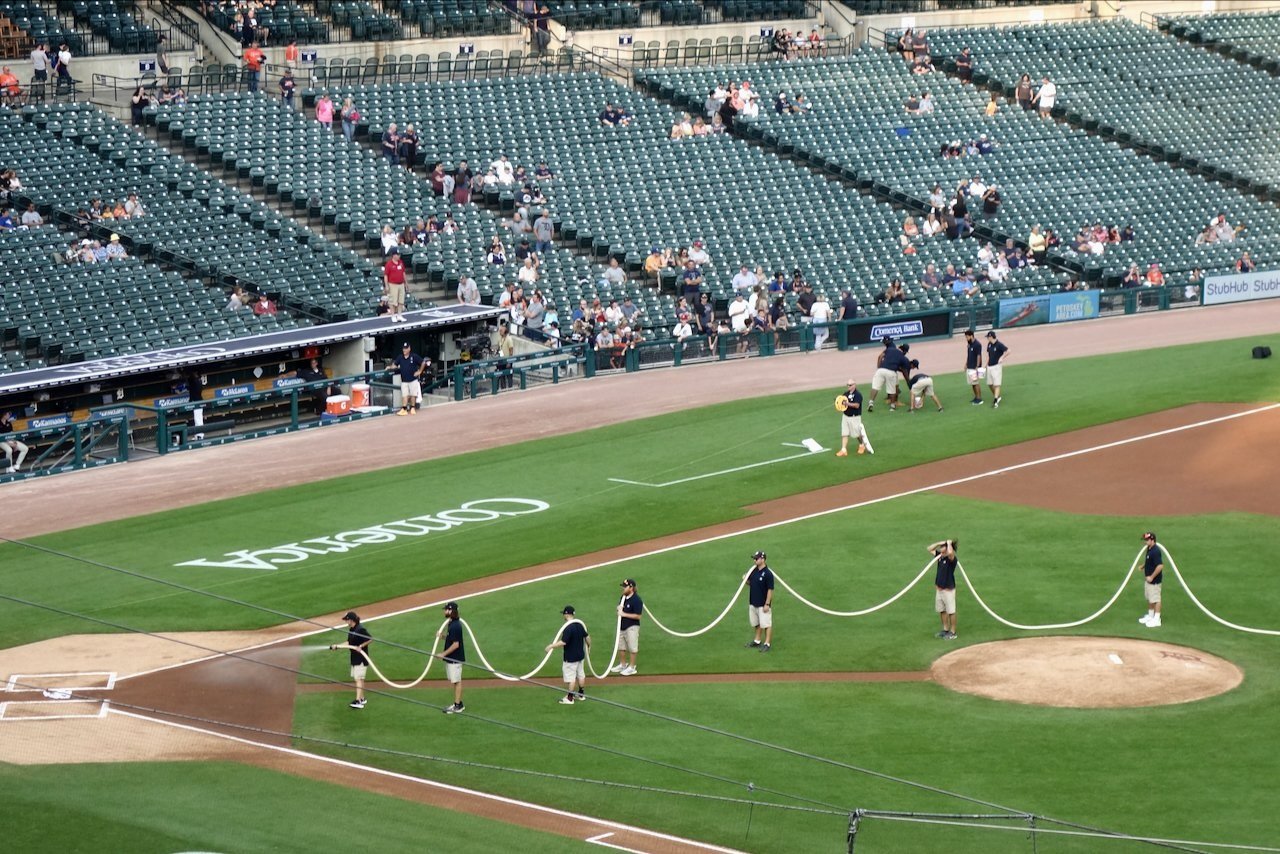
x,y
807,453
434,784
718,537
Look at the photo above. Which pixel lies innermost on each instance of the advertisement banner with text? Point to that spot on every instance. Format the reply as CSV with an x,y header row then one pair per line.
x,y
1241,287
1048,308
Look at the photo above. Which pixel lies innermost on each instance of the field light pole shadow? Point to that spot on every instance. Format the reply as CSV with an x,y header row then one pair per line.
x,y
811,447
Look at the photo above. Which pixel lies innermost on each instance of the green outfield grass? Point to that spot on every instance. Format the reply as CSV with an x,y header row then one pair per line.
x,y
163,807
571,473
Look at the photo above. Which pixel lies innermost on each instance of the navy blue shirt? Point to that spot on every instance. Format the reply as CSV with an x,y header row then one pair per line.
x,y
855,404
453,635
995,350
893,359
945,577
973,355
574,637
1154,559
915,378
632,604
356,636
408,366
761,583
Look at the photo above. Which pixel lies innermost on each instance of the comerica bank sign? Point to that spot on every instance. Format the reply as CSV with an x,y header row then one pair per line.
x,y
482,510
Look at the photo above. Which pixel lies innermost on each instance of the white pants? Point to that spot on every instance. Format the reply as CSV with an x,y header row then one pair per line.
x,y
9,447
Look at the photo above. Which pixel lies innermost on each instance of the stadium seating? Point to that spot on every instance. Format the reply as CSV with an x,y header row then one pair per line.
x,y
1050,174
1170,99
1246,37
357,192
50,310
621,190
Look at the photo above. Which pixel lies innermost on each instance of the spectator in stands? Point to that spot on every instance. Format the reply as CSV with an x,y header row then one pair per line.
x,y
815,45
909,228
287,87
62,64
1037,245
1224,230
984,146
801,104
542,173
613,275
654,263
780,103
993,106
905,45
1245,264
931,225
10,88
965,285
1155,276
497,254
1207,236
1046,96
253,59
40,63
1113,235
10,446
698,254
997,268
744,279
894,292
929,279
408,237
99,252
391,144
821,315
528,272
390,240
115,251
922,65
436,177
535,311
408,147
540,29
919,46
1132,278
681,332
991,200
912,104
1022,92
31,217
926,103
524,250
350,115
781,44
504,170
171,96
691,281
544,230
964,65
682,128
468,290
614,116
237,299
1126,233
264,306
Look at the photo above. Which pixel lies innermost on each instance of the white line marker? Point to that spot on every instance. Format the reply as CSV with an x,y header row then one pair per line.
x,y
100,712
811,449
600,840
1115,659
435,784
18,681
705,540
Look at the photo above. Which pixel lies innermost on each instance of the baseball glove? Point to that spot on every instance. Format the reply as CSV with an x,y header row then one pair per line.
x,y
842,403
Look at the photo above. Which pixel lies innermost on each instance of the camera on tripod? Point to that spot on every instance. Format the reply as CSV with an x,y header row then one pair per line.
x,y
473,347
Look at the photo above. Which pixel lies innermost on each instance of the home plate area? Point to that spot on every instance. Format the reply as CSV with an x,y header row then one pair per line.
x,y
55,696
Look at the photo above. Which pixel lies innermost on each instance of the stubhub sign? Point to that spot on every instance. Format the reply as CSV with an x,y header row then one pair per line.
x,y
1241,287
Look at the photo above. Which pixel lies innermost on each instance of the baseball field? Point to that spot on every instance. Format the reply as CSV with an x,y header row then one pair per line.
x,y
164,626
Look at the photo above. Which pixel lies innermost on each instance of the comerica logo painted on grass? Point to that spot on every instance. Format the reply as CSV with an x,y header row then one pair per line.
x,y
481,510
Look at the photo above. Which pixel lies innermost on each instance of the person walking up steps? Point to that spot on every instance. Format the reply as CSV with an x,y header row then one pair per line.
x,y
630,610
760,602
576,642
1153,572
849,405
454,655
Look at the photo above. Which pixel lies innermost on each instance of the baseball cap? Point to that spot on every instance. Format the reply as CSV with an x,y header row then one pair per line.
x,y
351,615
915,363
452,606
405,345
758,555
1149,535
991,335
887,340
568,609
630,582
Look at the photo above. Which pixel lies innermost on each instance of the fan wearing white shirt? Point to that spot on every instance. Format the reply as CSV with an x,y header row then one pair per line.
x,y
820,313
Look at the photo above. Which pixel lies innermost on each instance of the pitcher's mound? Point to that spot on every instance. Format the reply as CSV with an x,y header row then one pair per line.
x,y
1086,673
